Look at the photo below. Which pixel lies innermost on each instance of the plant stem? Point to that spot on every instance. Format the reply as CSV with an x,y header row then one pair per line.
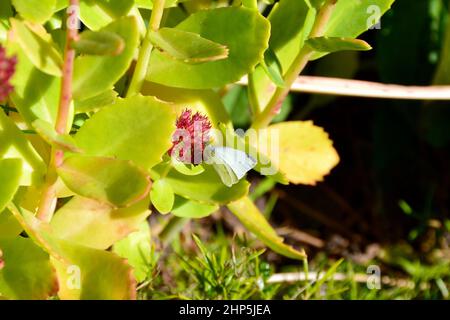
x,y
300,62
145,52
48,200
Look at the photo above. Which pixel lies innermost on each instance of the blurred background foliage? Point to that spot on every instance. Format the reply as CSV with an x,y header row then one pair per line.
x,y
387,203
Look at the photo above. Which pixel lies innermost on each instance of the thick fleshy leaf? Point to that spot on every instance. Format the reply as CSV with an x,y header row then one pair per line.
x,y
335,44
291,22
10,174
118,183
83,273
101,43
93,104
162,196
137,249
90,78
254,221
207,102
137,128
187,46
13,144
9,227
93,224
272,67
305,154
36,94
37,45
98,13
364,15
246,37
35,10
49,134
27,272
206,187
148,4
6,12
185,208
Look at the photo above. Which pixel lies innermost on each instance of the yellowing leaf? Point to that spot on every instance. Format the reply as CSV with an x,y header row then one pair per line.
x,y
112,181
305,154
96,225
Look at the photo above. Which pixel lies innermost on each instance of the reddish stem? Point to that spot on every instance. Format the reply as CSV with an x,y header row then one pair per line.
x,y
48,200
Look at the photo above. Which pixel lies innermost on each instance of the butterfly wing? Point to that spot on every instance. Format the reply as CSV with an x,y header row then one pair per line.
x,y
237,163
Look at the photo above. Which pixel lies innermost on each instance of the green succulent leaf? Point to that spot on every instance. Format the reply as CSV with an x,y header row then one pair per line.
x,y
78,267
98,13
10,174
335,44
96,225
118,183
272,67
13,144
185,208
206,187
37,45
137,128
48,133
9,227
6,12
35,10
246,37
162,196
93,104
187,46
27,272
254,221
137,249
90,78
101,43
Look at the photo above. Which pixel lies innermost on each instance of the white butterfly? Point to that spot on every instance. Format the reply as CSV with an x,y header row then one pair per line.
x,y
230,164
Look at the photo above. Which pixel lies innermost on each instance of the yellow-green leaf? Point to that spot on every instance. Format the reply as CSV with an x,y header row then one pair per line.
x,y
187,46
305,154
96,225
116,182
35,10
10,174
254,221
37,45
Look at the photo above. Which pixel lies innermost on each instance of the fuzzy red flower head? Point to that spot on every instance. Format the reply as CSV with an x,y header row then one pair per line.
x,y
7,69
190,137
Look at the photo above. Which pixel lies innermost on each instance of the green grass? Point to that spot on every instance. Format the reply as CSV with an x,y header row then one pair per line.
x,y
221,267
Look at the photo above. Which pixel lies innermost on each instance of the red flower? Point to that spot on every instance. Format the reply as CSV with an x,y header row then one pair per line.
x,y
190,137
7,69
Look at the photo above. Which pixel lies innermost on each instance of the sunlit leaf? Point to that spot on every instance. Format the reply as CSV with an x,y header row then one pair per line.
x,y
334,44
96,74
35,10
185,208
27,272
93,224
98,13
187,46
49,134
137,128
13,144
116,182
206,187
246,37
162,196
101,43
36,44
9,227
92,104
137,249
10,174
305,154
83,273
254,221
